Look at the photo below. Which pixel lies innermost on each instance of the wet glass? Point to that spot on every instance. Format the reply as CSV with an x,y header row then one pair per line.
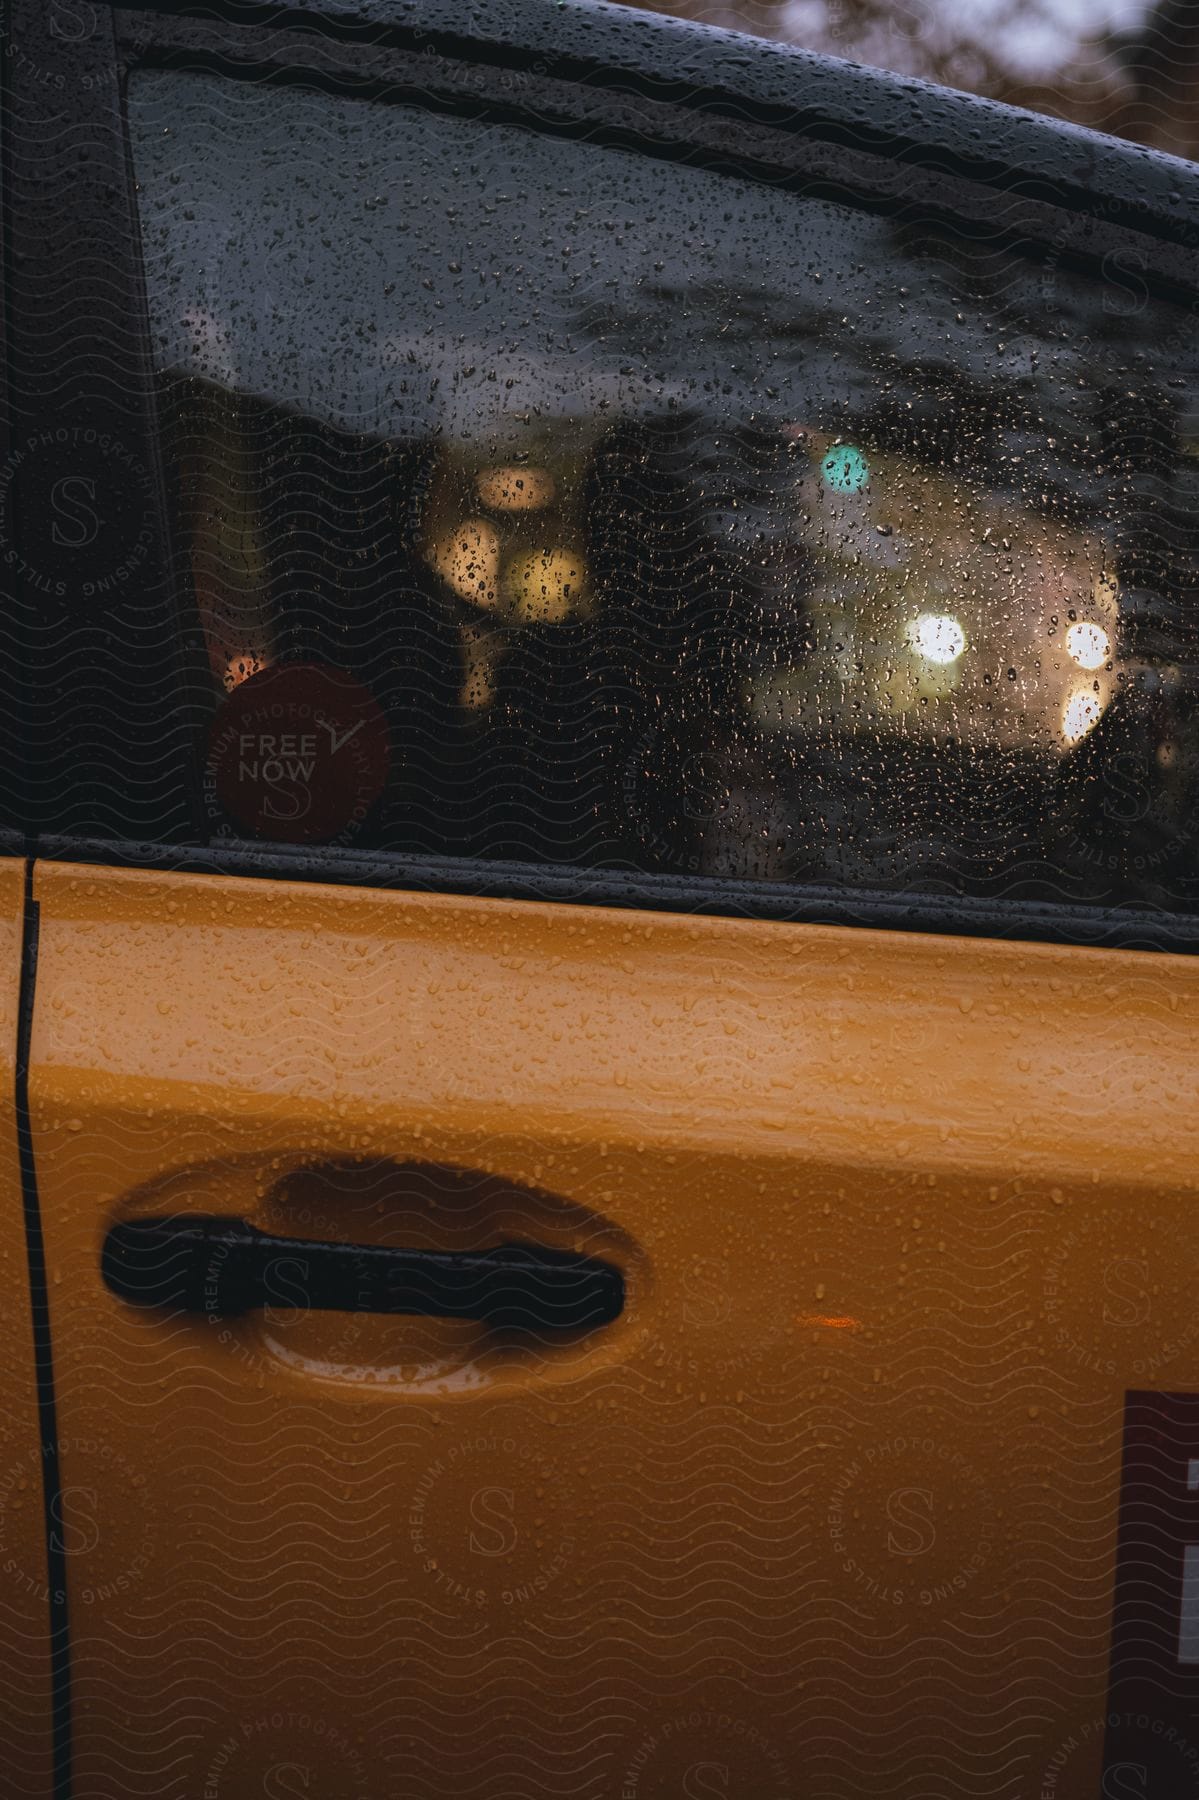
x,y
665,519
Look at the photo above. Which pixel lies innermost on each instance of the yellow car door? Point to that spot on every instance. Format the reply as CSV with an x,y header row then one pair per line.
x,y
612,1055
833,1501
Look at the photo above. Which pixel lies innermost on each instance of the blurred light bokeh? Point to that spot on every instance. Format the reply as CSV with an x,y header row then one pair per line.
x,y
1130,67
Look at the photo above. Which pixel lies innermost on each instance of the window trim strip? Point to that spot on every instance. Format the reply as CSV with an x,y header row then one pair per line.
x,y
785,903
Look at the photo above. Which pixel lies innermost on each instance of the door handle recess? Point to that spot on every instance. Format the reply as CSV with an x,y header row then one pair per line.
x,y
221,1266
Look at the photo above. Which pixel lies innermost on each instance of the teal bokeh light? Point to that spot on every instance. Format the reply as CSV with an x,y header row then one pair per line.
x,y
845,470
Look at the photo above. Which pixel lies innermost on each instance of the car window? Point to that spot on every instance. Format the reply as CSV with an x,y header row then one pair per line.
x,y
547,501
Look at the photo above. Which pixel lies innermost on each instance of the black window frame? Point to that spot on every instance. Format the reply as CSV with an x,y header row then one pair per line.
x,y
744,108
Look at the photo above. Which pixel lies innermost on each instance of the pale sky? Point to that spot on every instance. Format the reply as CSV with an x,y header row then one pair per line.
x,y
1038,47
1065,22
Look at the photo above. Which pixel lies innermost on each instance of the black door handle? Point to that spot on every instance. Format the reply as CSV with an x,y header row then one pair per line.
x,y
221,1266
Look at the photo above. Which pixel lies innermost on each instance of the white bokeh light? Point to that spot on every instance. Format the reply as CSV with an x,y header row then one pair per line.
x,y
1088,644
938,637
1081,712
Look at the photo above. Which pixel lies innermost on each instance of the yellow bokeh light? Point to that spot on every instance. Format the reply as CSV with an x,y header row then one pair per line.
x,y
481,651
468,558
545,586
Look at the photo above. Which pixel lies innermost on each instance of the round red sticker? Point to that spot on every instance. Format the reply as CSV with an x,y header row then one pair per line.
x,y
298,753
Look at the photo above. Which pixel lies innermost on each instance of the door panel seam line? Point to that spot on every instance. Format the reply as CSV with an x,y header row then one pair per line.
x,y
60,1669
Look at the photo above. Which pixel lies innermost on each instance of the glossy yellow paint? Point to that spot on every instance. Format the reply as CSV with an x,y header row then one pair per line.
x,y
25,1717
830,1510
